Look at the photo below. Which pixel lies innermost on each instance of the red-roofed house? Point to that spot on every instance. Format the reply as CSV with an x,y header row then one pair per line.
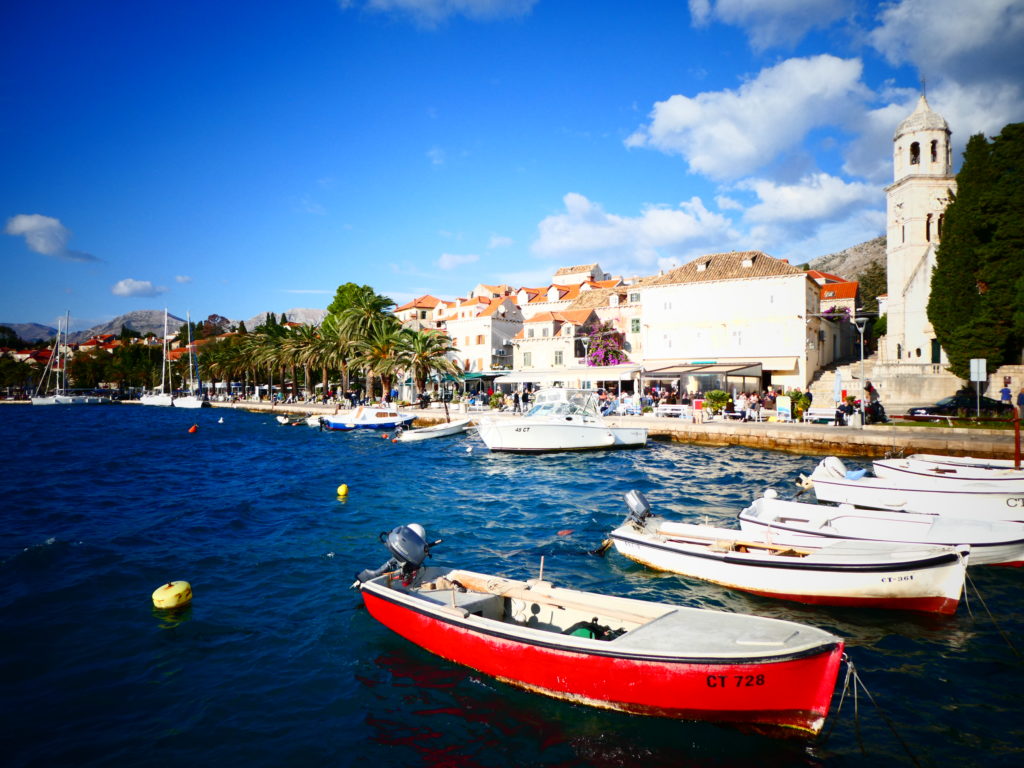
x,y
482,330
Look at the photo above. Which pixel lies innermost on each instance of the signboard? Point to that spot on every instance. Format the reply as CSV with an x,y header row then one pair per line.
x,y
978,369
978,375
783,408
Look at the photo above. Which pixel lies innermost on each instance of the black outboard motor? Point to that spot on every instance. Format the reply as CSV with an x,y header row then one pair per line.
x,y
408,547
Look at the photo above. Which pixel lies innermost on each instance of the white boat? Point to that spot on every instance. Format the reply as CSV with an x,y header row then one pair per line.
x,y
976,499
796,523
444,429
912,577
161,396
926,472
367,417
561,420
52,389
605,651
313,420
964,461
195,397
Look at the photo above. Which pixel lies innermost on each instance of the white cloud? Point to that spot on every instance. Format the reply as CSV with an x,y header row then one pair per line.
x,y
183,279
132,288
452,260
45,235
586,230
771,22
730,134
429,13
966,42
499,241
818,197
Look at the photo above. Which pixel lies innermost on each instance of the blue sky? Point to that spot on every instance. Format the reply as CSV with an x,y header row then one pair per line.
x,y
240,157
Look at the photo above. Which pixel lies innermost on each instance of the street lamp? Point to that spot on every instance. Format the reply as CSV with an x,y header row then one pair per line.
x,y
861,322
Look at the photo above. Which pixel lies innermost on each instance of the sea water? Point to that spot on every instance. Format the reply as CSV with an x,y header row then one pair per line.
x,y
277,664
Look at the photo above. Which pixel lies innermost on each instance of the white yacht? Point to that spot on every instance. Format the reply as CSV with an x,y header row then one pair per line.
x,y
561,419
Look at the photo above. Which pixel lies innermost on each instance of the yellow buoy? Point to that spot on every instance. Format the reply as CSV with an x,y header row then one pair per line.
x,y
343,490
173,594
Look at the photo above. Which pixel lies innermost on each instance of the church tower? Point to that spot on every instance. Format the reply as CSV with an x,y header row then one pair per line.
x,y
915,205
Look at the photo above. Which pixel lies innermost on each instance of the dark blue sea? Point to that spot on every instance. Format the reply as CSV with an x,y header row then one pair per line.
x,y
277,664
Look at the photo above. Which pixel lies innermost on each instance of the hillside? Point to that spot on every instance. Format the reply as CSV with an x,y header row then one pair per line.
x,y
851,262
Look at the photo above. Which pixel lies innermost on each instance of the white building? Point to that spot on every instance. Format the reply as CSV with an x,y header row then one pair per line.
x,y
915,205
734,309
482,330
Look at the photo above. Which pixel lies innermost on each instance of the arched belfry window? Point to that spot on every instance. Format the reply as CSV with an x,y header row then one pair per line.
x,y
935,150
928,228
938,227
915,153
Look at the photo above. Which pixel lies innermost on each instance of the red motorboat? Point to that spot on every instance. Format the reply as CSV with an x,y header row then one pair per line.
x,y
619,653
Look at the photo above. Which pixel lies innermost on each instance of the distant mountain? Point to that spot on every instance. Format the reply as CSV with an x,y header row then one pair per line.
x,y
304,316
31,332
851,262
142,321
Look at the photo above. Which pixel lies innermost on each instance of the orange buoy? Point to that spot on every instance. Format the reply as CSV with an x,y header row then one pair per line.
x,y
395,440
566,532
385,436
193,428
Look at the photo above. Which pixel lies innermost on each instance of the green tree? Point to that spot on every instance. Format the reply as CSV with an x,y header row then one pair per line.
x,y
9,338
426,353
977,290
872,284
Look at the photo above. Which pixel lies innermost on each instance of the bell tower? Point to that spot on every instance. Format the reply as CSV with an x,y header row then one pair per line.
x,y
915,205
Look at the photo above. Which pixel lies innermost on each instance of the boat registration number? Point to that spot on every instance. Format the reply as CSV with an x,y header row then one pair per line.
x,y
894,579
734,681
522,429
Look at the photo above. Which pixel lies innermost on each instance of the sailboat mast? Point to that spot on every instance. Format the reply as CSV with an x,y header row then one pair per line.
x,y
163,362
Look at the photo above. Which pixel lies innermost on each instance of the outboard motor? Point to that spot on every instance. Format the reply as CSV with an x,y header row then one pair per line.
x,y
639,508
408,547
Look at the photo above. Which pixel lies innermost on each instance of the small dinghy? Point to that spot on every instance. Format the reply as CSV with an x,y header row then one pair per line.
x,y
960,493
610,652
443,429
912,577
792,522
367,417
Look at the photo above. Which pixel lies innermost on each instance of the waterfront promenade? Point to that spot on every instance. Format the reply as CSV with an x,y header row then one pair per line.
x,y
873,441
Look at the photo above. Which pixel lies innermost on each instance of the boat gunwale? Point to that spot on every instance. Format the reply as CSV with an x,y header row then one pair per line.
x,y
933,561
408,600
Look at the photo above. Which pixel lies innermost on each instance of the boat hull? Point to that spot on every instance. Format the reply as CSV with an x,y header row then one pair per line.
x,y
344,424
70,400
929,583
799,524
790,691
164,400
530,435
878,493
437,430
191,401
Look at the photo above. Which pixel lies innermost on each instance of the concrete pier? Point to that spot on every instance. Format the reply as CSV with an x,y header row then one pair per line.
x,y
873,441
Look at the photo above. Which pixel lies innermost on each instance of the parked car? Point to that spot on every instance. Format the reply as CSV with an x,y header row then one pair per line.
x,y
964,404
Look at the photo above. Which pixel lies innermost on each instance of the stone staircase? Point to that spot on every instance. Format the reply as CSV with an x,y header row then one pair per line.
x,y
822,386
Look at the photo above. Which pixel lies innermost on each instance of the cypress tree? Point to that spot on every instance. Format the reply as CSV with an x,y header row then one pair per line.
x,y
977,289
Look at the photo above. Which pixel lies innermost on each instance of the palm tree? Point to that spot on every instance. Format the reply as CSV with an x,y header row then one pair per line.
x,y
296,349
333,350
379,352
366,318
426,353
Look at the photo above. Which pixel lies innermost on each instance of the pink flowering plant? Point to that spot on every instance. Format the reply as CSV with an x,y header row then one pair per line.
x,y
842,314
605,345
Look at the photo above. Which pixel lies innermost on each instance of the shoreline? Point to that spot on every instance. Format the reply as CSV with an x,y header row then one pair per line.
x,y
872,441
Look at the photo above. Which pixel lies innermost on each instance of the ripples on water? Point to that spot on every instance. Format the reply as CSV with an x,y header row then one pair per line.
x,y
277,664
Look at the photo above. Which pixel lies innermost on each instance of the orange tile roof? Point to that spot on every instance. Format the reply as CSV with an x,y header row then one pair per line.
x,y
839,291
423,302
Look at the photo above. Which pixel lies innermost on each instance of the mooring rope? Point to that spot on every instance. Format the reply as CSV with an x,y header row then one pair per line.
x,y
853,677
999,629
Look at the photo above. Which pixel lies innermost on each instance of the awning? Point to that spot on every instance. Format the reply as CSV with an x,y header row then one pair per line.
x,y
698,368
583,373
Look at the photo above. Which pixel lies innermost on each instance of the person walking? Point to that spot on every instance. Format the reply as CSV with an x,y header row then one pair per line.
x,y
1020,403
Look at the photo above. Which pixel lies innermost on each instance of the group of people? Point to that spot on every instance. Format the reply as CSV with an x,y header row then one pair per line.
x,y
1006,395
870,408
